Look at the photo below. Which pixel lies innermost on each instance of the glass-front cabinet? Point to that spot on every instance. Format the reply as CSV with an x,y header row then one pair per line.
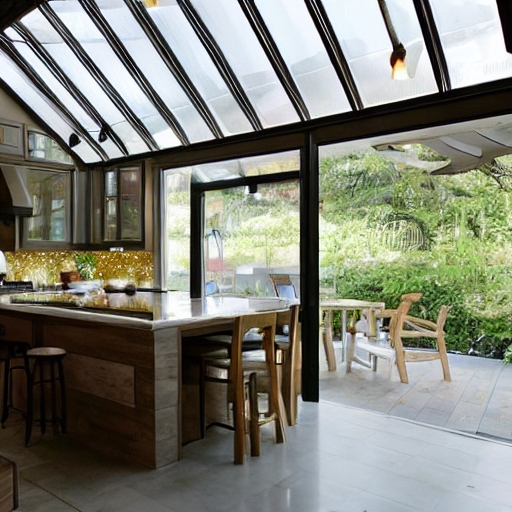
x,y
123,204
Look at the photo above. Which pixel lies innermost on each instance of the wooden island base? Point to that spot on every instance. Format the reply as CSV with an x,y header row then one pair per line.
x,y
123,375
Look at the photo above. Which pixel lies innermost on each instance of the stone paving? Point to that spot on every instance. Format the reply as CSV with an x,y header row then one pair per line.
x,y
477,401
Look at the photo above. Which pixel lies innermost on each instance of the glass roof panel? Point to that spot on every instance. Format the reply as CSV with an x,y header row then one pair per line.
x,y
192,55
62,94
362,34
85,31
18,82
52,83
81,78
472,39
147,58
301,47
234,35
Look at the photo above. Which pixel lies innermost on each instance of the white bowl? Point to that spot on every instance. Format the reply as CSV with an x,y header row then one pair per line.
x,y
84,285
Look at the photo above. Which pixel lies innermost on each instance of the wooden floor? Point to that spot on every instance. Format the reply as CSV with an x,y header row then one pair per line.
x,y
477,401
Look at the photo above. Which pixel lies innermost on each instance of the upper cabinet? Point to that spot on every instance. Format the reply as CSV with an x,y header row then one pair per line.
x,y
123,204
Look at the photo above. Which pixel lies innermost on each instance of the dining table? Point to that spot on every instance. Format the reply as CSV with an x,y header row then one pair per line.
x,y
327,309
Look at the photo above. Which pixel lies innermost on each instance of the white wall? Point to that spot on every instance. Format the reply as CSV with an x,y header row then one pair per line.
x,y
11,111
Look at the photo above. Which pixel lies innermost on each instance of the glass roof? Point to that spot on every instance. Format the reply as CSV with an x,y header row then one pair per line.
x,y
130,77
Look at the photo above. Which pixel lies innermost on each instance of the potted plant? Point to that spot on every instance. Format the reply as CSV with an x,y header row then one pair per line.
x,y
85,263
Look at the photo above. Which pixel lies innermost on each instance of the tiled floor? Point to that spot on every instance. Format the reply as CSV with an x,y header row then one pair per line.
x,y
338,458
477,401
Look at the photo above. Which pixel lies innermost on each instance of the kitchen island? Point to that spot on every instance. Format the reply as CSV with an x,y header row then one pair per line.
x,y
123,373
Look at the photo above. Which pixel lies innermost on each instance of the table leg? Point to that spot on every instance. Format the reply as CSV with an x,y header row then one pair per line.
x,y
328,344
372,323
343,334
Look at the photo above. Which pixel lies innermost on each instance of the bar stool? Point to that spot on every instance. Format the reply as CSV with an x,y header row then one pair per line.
x,y
51,359
13,350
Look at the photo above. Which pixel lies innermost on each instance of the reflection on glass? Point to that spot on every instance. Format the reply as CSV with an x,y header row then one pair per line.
x,y
123,204
130,204
472,41
305,55
259,233
368,51
177,230
50,197
44,147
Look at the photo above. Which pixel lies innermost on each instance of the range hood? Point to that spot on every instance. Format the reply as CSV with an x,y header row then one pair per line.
x,y
15,198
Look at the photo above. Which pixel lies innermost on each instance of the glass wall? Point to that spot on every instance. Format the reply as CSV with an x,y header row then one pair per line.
x,y
252,232
251,223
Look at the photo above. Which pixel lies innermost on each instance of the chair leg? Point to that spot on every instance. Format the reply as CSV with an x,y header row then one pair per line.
x,y
351,347
441,347
42,398
402,370
29,419
5,403
63,406
254,424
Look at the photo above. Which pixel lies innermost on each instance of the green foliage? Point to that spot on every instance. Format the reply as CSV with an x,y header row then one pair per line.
x,y
507,357
374,215
85,263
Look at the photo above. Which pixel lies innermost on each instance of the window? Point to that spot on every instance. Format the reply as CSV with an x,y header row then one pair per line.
x,y
41,146
50,192
123,204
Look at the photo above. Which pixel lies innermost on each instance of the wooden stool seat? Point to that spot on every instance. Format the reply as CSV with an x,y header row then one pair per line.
x,y
46,352
51,359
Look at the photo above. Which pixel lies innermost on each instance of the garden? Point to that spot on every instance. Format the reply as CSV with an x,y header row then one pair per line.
x,y
389,229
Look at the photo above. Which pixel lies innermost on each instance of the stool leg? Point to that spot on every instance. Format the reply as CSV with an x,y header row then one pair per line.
x,y
5,403
54,396
30,401
63,421
42,399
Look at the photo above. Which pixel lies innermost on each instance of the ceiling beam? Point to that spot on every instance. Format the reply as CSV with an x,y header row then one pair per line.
x,y
133,69
98,75
68,84
274,56
433,43
221,63
9,49
464,104
335,52
173,64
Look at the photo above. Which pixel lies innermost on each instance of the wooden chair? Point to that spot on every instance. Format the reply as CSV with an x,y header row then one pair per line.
x,y
283,286
403,326
231,371
287,359
291,350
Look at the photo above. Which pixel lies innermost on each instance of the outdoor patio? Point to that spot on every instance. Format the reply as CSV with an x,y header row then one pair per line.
x,y
477,401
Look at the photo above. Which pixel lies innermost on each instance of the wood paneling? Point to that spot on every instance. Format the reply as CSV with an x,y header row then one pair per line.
x,y
7,490
106,379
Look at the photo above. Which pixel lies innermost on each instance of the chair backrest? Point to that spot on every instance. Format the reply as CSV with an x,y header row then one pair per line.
x,y
441,317
283,286
210,288
397,320
266,322
292,386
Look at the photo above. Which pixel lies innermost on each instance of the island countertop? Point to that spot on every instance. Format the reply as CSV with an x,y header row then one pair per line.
x,y
160,309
